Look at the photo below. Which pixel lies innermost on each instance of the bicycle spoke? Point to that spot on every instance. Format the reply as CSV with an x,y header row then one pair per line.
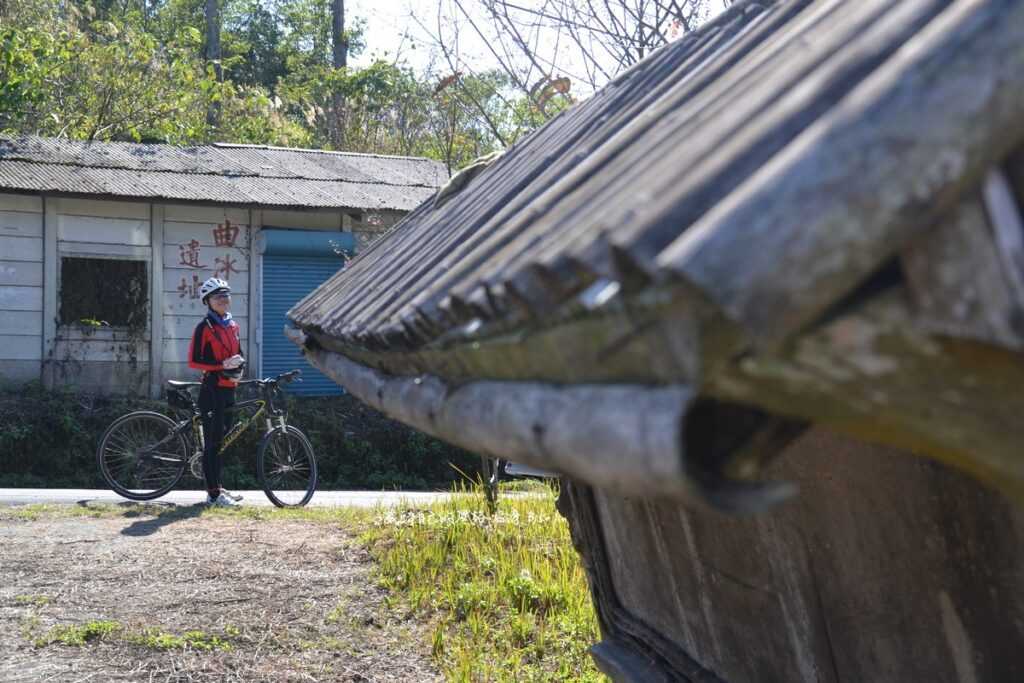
x,y
142,454
288,469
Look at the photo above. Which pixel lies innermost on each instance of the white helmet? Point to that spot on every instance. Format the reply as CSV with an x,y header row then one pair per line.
x,y
213,286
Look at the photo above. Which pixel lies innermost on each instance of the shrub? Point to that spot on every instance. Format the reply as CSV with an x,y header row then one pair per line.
x,y
49,438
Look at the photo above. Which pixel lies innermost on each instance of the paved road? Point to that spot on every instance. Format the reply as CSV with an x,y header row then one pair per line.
x,y
320,498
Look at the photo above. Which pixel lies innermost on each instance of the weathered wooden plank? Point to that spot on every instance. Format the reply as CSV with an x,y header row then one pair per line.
x,y
20,347
190,213
102,208
22,322
20,202
835,204
627,438
22,273
872,374
592,439
14,248
21,223
173,276
21,298
175,304
959,284
826,585
105,230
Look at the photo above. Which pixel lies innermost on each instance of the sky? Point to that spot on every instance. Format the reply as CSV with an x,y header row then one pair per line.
x,y
392,29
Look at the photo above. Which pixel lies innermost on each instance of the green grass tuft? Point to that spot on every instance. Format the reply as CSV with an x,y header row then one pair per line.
x,y
505,591
155,639
78,635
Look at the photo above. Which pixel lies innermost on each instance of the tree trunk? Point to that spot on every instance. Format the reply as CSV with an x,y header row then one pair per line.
x,y
340,61
213,55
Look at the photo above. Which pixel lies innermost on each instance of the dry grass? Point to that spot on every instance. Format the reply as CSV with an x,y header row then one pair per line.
x,y
130,593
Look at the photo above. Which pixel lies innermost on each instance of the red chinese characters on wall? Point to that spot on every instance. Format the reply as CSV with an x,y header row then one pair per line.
x,y
225,234
189,289
189,254
225,266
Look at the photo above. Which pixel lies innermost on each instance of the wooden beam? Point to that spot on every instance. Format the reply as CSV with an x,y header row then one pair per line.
x,y
620,437
874,375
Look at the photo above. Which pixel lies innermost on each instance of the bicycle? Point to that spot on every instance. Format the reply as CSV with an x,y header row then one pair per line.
x,y
142,455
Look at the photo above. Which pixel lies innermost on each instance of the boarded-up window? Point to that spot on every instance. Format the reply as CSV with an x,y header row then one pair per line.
x,y
111,291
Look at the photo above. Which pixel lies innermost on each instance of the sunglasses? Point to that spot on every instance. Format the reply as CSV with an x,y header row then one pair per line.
x,y
221,297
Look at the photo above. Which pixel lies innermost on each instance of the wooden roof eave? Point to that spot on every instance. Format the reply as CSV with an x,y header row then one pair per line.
x,y
588,432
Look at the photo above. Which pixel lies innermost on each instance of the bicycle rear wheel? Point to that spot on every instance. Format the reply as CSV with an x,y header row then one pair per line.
x,y
142,455
286,467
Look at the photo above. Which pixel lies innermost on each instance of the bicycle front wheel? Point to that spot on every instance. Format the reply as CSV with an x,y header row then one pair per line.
x,y
142,455
286,467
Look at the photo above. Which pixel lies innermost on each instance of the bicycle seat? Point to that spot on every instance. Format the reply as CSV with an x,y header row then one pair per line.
x,y
181,385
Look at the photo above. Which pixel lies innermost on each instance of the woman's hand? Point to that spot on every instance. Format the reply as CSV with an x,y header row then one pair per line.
x,y
233,362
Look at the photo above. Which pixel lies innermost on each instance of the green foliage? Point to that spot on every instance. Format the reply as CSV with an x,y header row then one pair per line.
x,y
110,70
48,439
505,591
78,635
156,639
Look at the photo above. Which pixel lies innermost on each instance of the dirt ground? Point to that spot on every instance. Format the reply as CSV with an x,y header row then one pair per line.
x,y
285,601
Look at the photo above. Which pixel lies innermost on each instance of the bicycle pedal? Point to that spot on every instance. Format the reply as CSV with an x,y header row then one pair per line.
x,y
234,496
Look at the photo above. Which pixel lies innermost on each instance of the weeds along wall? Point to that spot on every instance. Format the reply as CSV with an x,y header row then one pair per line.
x,y
48,439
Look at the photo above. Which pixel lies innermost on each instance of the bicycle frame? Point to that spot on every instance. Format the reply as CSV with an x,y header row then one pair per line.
x,y
275,417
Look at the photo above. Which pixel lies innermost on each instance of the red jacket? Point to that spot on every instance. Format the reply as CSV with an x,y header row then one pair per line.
x,y
213,343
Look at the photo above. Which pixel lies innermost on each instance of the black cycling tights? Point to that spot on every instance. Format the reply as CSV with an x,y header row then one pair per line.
x,y
217,420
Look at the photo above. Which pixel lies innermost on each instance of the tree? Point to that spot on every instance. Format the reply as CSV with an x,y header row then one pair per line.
x,y
339,44
553,51
213,56
255,71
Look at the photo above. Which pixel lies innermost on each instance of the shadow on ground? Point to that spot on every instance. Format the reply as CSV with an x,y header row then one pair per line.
x,y
156,515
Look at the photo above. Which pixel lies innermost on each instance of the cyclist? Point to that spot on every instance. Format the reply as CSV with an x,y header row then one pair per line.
x,y
216,350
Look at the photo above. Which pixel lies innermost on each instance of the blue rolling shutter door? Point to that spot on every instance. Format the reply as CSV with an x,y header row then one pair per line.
x,y
295,262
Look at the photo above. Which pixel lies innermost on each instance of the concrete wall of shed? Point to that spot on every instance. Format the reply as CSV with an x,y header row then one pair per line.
x,y
885,568
21,288
182,245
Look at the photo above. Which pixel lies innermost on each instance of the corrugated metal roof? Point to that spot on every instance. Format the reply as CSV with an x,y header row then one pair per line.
x,y
232,174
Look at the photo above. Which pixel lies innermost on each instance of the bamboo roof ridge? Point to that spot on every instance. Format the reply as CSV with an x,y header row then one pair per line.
x,y
803,212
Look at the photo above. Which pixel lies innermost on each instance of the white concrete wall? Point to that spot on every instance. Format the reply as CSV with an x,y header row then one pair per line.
x,y
107,360
197,244
183,245
21,288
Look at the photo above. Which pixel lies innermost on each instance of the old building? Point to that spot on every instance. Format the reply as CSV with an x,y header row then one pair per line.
x,y
103,247
777,268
